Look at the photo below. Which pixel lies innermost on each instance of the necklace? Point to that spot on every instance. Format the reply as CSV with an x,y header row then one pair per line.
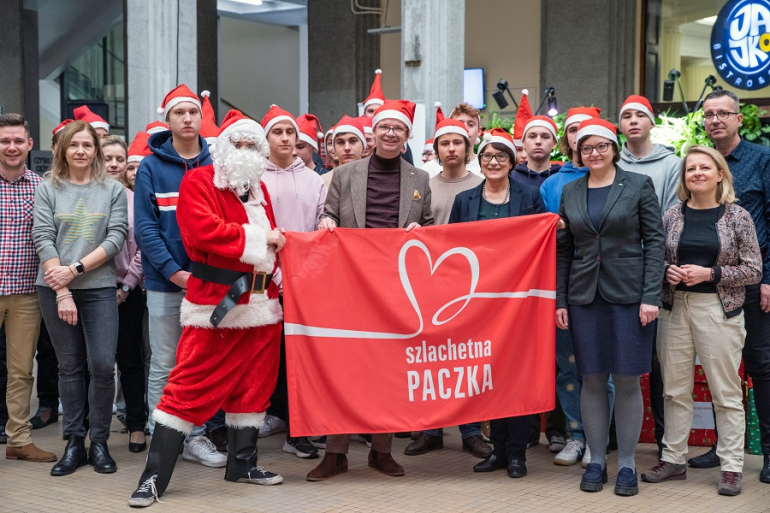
x,y
484,195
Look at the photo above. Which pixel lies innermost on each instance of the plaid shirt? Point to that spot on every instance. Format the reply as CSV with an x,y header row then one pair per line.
x,y
18,258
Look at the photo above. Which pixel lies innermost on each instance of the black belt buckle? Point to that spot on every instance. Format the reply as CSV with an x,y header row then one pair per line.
x,y
258,279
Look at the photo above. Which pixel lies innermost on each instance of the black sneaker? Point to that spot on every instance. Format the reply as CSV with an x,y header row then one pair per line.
x,y
145,495
261,476
3,436
301,447
319,442
43,417
707,460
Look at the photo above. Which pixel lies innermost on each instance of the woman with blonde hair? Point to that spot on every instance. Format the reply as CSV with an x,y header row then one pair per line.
x,y
80,223
712,253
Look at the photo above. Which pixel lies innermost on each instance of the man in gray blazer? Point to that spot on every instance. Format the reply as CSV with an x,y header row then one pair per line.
x,y
380,191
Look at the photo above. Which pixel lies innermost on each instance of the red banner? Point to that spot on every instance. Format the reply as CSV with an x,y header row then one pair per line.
x,y
388,330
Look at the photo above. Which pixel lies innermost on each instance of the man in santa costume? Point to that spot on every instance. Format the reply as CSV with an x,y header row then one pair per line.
x,y
228,353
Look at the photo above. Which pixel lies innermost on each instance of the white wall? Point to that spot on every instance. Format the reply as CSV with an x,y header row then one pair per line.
x,y
258,66
50,111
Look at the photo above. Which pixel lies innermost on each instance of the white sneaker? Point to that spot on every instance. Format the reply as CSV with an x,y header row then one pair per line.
x,y
200,450
570,454
271,426
586,457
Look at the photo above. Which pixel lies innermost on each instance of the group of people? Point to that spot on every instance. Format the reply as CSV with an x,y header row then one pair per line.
x,y
656,263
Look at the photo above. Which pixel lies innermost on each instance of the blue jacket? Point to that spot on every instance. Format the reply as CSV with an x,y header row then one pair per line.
x,y
522,174
524,200
551,188
155,197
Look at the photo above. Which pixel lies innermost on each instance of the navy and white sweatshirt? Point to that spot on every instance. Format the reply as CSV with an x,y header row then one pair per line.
x,y
156,193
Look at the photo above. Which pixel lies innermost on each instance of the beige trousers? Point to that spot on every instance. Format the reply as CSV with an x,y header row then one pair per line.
x,y
697,325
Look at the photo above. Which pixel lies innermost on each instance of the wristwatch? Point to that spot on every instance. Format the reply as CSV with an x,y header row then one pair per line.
x,y
80,268
125,288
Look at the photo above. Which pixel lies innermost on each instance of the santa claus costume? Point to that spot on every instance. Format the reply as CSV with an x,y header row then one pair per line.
x,y
229,350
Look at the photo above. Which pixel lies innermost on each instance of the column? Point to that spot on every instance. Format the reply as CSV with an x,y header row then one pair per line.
x,y
433,53
670,55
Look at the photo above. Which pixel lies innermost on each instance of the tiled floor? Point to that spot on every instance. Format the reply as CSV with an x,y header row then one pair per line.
x,y
441,481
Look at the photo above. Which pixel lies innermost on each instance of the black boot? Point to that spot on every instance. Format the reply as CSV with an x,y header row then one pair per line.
x,y
242,458
161,459
75,456
99,457
764,475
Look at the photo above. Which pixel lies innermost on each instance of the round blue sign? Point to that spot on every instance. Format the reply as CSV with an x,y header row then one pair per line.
x,y
740,43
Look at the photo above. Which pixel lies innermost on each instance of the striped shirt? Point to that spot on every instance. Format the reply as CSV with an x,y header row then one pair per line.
x,y
18,258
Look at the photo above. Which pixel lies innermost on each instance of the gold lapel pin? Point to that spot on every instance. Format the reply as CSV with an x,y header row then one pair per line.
x,y
417,194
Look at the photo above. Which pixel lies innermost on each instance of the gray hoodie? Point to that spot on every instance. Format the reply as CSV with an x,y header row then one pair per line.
x,y
663,166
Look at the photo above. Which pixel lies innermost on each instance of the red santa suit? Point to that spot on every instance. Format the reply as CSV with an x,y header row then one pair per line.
x,y
235,364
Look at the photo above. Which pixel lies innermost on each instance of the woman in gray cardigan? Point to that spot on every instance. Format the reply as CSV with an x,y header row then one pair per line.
x,y
609,275
80,223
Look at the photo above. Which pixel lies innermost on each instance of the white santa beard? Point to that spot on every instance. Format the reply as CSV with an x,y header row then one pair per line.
x,y
241,168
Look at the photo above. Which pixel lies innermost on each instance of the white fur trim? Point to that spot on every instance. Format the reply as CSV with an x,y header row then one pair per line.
x,y
205,94
373,101
259,311
449,129
637,106
349,129
577,118
172,421
368,130
100,124
437,104
134,158
156,129
525,91
278,119
392,114
245,420
174,101
306,138
596,130
541,123
497,139
255,250
378,72
244,125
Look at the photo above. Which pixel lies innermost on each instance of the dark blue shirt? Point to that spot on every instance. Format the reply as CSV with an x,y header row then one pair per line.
x,y
750,166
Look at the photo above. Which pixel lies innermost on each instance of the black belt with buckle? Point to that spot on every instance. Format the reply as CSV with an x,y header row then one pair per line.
x,y
239,282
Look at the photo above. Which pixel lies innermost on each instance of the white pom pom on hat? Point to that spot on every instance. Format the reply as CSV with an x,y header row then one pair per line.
x,y
487,136
205,94
378,72
525,91
320,135
160,110
437,104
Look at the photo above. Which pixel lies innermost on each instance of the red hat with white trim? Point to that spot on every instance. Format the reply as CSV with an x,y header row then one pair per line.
x,y
179,94
348,125
139,147
310,129
401,110
497,135
375,93
209,128
155,127
541,121
236,122
83,113
451,126
523,115
329,132
428,145
61,126
276,115
366,121
439,113
580,114
640,103
597,126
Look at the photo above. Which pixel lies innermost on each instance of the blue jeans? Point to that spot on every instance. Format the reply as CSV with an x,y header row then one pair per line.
x,y
165,330
92,341
569,385
466,430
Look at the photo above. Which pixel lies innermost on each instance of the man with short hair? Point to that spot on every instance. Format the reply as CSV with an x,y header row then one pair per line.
x,y
470,116
538,140
307,145
165,261
19,263
380,191
349,143
750,166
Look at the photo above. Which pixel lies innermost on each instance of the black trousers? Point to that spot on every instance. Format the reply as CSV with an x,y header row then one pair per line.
x,y
279,401
130,359
510,436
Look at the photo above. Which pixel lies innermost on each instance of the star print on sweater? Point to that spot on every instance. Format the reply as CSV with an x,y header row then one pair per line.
x,y
81,223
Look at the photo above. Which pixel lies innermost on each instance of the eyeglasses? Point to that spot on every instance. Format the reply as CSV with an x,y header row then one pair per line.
x,y
601,148
722,115
501,158
384,129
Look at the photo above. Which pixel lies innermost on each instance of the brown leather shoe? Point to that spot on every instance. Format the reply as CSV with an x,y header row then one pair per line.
x,y
29,452
385,463
476,446
424,444
331,465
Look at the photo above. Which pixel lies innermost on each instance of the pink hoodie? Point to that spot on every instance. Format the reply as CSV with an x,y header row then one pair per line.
x,y
297,194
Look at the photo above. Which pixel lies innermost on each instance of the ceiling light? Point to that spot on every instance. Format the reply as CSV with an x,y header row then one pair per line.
x,y
707,21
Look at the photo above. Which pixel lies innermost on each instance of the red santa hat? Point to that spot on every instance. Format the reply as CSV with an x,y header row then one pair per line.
x,y
329,132
236,122
497,135
439,113
155,127
310,130
580,114
541,121
429,145
61,126
401,110
640,103
450,126
523,115
139,147
179,94
209,128
276,115
375,94
83,113
348,125
366,121
597,126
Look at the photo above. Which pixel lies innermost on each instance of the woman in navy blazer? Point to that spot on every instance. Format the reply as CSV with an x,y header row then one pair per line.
x,y
609,275
498,197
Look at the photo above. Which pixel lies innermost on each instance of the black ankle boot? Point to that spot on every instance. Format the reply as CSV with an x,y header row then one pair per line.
x,y
161,459
764,475
75,456
242,458
100,458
